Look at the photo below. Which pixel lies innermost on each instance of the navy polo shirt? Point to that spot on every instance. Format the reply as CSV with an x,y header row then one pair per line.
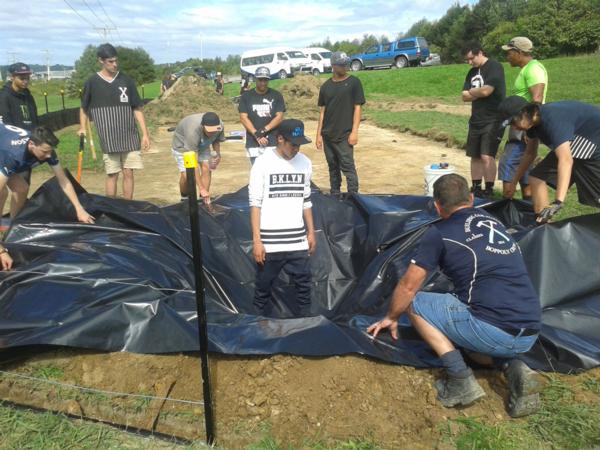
x,y
14,156
569,121
486,267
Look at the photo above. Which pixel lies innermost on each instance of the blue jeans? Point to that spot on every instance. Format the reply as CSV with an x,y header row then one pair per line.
x,y
510,160
454,319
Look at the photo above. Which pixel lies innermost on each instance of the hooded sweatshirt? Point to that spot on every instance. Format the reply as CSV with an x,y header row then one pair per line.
x,y
18,108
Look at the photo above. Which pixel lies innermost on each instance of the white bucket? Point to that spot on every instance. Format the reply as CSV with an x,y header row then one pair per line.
x,y
433,174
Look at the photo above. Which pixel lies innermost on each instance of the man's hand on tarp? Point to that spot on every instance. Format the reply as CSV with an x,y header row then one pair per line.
x,y
390,324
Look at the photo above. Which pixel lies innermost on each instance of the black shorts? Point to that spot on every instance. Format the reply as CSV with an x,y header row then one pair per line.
x,y
585,175
484,139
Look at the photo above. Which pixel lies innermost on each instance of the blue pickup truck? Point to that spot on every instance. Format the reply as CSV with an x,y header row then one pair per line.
x,y
402,53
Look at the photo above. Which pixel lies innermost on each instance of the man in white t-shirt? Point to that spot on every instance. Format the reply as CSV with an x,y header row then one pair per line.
x,y
283,232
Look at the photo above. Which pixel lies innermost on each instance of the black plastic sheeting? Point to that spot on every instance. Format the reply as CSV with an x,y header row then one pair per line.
x,y
126,283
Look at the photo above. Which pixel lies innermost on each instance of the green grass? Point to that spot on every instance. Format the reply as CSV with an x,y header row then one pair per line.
x,y
432,124
54,87
572,78
48,372
562,423
28,430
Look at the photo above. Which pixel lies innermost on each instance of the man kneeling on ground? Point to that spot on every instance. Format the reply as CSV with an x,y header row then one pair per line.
x,y
20,151
494,312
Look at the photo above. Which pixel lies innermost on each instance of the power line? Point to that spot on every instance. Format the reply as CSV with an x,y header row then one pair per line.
x,y
85,19
94,13
110,20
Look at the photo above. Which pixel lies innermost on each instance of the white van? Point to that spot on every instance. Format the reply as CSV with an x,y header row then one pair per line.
x,y
298,60
320,60
276,59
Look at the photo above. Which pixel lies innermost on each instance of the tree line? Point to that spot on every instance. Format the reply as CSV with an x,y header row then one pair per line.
x,y
556,27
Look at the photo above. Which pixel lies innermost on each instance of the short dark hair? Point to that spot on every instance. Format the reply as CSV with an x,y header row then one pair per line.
x,y
106,51
451,191
473,47
44,135
528,111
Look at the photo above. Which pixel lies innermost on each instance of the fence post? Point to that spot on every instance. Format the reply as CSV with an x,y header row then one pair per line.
x,y
62,96
191,162
46,101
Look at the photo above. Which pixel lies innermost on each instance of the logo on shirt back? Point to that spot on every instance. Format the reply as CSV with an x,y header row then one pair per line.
x,y
481,226
123,97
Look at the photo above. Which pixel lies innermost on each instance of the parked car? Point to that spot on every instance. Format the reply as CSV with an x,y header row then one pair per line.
x,y
403,53
199,71
433,60
282,62
320,60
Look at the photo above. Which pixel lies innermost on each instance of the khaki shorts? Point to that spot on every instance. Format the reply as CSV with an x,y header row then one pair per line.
x,y
115,162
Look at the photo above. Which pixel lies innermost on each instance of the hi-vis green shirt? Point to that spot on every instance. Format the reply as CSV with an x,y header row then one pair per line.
x,y
530,75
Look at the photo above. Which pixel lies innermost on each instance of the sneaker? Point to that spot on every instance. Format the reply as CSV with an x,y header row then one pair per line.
x,y
524,387
455,391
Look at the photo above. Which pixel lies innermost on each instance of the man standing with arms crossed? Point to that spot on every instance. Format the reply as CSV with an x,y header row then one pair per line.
x,y
340,99
112,100
261,111
532,85
17,108
485,88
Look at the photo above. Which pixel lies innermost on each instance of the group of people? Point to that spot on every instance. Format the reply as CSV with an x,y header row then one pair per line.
x,y
494,312
570,129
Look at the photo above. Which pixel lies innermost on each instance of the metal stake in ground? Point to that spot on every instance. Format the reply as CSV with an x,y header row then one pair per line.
x,y
190,162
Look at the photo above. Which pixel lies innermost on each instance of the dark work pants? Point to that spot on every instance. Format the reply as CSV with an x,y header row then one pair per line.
x,y
340,157
296,265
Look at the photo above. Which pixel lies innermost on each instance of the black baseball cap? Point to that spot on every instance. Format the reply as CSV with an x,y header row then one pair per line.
x,y
19,69
211,122
293,131
511,107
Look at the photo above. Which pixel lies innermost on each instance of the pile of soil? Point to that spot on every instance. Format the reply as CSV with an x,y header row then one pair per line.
x,y
301,95
187,96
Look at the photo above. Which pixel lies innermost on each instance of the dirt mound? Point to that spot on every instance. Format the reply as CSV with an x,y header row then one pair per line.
x,y
301,95
189,95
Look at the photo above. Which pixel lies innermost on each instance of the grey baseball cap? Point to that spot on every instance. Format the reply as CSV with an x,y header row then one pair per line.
x,y
262,72
340,59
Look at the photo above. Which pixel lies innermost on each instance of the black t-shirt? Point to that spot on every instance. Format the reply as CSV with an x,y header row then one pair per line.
x,y
485,110
339,99
261,110
111,103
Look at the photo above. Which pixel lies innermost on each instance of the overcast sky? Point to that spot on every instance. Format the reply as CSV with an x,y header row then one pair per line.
x,y
176,30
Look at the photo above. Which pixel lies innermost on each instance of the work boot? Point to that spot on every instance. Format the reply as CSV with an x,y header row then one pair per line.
x,y
477,192
524,387
455,391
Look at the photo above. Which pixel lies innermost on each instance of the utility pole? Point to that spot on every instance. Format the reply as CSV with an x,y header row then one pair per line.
x,y
47,52
105,31
12,57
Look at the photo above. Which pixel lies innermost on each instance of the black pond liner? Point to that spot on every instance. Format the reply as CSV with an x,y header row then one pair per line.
x,y
126,283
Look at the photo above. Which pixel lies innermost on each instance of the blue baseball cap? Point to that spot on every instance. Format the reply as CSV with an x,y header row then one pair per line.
x,y
293,131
